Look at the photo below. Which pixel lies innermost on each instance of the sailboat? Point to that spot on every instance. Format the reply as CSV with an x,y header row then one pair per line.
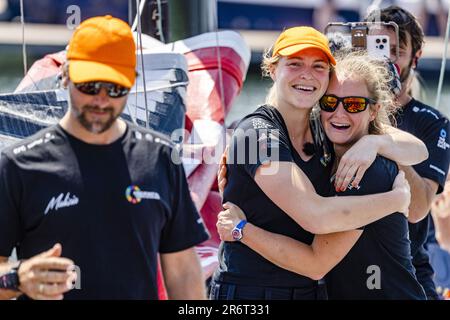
x,y
184,89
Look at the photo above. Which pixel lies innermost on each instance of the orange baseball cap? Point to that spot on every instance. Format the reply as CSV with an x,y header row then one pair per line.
x,y
294,40
103,49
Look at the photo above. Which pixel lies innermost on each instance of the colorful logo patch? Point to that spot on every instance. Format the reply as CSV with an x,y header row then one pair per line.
x,y
131,196
135,195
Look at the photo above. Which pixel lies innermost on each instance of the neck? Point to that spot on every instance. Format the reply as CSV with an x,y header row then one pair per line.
x,y
297,123
73,126
404,98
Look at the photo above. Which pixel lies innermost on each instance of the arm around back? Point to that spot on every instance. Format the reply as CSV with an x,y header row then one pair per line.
x,y
290,189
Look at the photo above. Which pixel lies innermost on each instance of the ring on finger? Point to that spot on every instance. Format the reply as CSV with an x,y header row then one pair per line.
x,y
41,288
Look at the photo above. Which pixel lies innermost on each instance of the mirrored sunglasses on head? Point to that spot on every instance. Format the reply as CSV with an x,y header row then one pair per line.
x,y
93,87
351,104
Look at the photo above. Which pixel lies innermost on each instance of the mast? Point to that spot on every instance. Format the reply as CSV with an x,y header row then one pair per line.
x,y
177,19
188,18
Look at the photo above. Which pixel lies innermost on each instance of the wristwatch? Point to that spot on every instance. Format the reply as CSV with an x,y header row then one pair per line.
x,y
10,280
236,233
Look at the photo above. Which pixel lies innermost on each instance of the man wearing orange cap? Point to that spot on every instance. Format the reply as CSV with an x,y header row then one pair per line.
x,y
102,190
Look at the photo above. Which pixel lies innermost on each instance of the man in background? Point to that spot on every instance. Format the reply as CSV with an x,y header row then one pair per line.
x,y
428,178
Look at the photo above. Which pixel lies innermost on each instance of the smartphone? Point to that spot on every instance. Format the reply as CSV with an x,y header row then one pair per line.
x,y
359,35
378,46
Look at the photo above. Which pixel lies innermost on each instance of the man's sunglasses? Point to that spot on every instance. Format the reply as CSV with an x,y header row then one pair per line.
x,y
330,102
94,87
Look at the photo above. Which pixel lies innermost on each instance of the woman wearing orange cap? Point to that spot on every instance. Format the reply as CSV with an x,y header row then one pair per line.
x,y
281,185
372,262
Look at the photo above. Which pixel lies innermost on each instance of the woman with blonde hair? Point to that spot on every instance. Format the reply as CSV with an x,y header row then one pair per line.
x,y
283,189
371,262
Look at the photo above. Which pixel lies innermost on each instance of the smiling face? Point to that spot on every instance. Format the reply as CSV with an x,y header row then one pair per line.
x,y
301,79
341,127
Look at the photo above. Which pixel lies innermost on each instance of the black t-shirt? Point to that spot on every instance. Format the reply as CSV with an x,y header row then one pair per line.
x,y
112,207
382,253
259,137
430,126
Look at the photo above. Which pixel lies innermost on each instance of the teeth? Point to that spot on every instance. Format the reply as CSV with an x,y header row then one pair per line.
x,y
340,125
305,88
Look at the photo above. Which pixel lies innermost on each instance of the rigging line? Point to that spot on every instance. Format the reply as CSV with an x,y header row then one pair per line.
x,y
139,10
159,22
24,46
130,18
130,12
444,60
219,60
133,118
136,101
172,85
142,63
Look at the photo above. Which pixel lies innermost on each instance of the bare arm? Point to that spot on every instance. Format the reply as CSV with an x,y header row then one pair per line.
x,y
183,275
292,191
401,147
423,191
396,145
313,261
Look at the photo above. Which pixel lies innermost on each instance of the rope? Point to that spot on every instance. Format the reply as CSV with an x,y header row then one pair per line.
x,y
444,60
24,45
130,12
130,18
139,31
139,9
159,22
172,85
219,60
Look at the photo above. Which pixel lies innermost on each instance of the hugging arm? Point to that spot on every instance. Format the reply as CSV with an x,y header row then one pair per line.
x,y
292,191
396,145
312,261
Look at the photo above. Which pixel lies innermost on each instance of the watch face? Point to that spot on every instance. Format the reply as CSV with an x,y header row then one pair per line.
x,y
236,233
9,281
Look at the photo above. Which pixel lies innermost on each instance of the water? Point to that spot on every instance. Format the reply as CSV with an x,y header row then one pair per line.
x,y
253,93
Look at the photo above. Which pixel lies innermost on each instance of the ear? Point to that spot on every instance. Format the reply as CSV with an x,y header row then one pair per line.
x,y
416,59
272,70
374,111
65,75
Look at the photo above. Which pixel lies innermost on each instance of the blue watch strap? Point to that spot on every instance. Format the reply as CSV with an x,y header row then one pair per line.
x,y
237,230
241,224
